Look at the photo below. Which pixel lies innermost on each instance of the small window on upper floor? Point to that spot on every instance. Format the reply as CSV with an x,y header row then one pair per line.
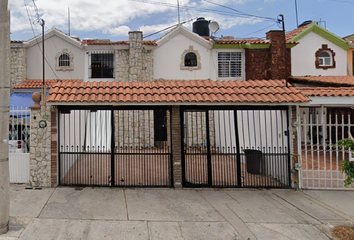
x,y
190,60
325,58
229,64
102,65
64,61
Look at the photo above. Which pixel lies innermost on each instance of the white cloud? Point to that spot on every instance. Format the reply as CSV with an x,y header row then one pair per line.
x,y
119,31
118,17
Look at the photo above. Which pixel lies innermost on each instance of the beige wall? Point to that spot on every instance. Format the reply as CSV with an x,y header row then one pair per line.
x,y
53,46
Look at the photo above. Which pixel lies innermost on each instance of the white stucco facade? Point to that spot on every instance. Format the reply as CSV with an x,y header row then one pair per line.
x,y
170,52
303,57
55,44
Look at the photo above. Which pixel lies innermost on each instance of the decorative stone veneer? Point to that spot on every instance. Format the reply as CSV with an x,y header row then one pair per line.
x,y
121,62
135,63
134,128
295,151
40,153
18,64
197,135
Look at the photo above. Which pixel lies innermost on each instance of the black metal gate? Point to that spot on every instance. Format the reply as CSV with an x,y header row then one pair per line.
x,y
115,147
235,147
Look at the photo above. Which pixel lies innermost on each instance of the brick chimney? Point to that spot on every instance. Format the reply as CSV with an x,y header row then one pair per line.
x,y
135,56
280,62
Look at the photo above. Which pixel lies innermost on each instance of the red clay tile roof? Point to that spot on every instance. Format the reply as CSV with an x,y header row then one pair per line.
x,y
176,91
37,83
295,32
241,41
244,41
148,42
327,91
16,41
325,80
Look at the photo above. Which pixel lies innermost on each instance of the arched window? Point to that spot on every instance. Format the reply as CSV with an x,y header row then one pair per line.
x,y
325,58
64,60
190,60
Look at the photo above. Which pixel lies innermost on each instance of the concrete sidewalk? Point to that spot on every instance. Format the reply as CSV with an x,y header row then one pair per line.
x,y
113,213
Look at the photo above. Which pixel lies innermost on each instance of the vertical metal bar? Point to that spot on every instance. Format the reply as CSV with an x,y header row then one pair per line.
x,y
182,113
238,154
59,148
113,174
288,150
210,179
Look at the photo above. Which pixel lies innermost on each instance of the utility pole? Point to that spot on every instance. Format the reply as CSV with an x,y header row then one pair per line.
x,y
4,115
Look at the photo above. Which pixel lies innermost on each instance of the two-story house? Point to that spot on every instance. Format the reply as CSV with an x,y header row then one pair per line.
x,y
178,111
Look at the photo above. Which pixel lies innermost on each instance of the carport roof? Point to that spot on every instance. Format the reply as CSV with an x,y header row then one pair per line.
x,y
175,92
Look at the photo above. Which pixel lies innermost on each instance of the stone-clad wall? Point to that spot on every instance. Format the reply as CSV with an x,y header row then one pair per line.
x,y
18,64
40,153
134,128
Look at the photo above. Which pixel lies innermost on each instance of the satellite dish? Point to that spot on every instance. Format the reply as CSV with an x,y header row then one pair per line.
x,y
214,27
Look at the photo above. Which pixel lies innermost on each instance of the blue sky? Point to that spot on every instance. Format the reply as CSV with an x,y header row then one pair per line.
x,y
113,19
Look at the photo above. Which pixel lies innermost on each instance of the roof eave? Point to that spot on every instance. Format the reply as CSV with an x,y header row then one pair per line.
x,y
323,33
177,103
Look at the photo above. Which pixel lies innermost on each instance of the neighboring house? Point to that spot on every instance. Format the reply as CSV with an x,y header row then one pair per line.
x,y
320,67
319,52
350,56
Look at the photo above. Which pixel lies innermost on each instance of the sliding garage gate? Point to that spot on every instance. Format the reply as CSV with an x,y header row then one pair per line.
x,y
115,147
235,147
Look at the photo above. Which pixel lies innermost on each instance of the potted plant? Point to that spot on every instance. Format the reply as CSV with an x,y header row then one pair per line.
x,y
348,166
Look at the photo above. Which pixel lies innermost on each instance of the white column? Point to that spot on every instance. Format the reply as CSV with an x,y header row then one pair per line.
x,y
4,115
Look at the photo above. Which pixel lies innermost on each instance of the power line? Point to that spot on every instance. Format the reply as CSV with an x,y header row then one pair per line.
x,y
241,13
30,20
165,29
225,13
260,30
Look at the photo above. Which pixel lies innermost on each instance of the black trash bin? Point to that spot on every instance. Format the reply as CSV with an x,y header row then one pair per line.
x,y
253,161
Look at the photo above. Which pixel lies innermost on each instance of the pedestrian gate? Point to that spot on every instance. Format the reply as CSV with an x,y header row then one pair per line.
x,y
115,147
235,147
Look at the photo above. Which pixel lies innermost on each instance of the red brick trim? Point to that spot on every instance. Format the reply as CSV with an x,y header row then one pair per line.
x,y
327,49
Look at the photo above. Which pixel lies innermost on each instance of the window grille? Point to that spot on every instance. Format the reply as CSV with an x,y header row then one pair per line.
x,y
102,65
229,64
190,60
64,60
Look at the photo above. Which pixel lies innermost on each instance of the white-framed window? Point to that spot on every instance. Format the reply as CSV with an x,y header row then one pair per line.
x,y
64,60
325,59
230,64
